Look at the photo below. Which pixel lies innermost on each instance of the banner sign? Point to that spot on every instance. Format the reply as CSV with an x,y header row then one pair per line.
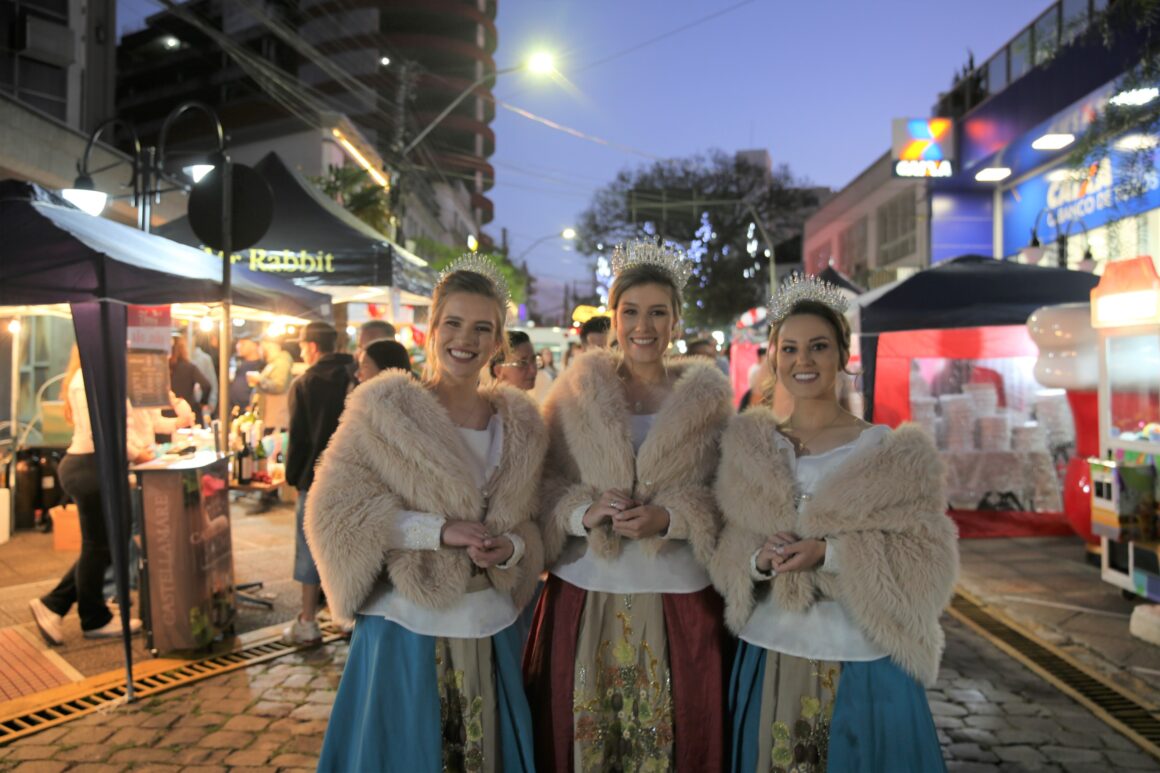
x,y
150,335
1113,188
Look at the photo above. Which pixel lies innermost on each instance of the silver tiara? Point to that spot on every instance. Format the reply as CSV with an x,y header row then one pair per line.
x,y
647,252
478,264
800,288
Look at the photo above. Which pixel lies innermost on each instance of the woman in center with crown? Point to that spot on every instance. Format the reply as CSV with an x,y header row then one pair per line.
x,y
420,519
627,656
835,562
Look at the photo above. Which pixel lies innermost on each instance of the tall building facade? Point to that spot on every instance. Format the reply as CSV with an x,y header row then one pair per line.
x,y
273,69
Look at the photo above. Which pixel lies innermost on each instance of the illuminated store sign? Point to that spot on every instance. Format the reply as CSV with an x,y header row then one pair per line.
x,y
923,147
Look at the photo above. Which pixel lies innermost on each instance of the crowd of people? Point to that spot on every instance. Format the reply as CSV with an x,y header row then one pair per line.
x,y
602,567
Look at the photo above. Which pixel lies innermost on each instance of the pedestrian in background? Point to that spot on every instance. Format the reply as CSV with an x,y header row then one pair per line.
x,y
594,333
382,355
207,365
249,358
83,583
517,365
422,522
626,665
186,379
316,402
834,584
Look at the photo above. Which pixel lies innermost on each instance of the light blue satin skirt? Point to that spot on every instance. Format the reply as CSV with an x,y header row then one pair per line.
x,y
386,715
881,724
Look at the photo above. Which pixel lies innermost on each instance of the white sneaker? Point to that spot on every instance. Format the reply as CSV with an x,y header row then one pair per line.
x,y
49,623
302,632
112,629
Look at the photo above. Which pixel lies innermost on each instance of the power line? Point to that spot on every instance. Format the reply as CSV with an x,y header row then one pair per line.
x,y
663,36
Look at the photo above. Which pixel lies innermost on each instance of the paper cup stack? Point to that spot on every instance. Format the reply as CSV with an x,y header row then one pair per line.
x,y
1054,415
959,417
1028,437
923,413
984,396
995,432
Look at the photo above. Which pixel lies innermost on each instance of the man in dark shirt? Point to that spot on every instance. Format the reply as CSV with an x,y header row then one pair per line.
x,y
316,401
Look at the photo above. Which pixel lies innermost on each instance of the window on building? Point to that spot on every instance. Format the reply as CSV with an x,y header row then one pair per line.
x,y
819,257
897,228
997,72
1075,19
853,248
1046,35
1020,52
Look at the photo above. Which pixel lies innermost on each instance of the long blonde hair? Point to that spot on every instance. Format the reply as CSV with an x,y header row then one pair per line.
x,y
74,364
461,282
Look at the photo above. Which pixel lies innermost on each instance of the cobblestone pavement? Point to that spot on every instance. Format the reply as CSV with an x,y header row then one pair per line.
x,y
992,714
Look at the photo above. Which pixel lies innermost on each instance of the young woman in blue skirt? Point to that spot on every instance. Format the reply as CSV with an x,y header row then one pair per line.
x,y
420,519
835,562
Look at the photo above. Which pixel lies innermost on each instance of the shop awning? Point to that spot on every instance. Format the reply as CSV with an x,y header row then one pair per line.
x,y
971,291
69,256
316,243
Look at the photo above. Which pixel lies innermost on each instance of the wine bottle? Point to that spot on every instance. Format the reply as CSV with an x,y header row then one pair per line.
x,y
245,464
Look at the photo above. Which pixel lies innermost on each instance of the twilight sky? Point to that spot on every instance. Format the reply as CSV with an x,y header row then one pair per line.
x,y
815,82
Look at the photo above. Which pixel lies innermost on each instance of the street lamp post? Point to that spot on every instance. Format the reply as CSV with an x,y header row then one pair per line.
x,y
1033,252
226,175
84,194
539,63
568,234
148,168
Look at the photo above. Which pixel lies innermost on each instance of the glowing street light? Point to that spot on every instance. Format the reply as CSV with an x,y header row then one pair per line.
x,y
542,63
568,233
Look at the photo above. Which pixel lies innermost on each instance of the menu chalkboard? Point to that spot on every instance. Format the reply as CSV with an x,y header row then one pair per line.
x,y
148,385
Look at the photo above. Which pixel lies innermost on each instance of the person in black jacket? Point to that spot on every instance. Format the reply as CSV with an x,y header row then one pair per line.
x,y
316,401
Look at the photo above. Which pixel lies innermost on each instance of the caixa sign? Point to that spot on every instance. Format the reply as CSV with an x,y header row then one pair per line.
x,y
923,147
915,168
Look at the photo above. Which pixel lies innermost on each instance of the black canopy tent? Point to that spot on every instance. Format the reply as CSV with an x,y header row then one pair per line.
x,y
51,253
971,291
316,243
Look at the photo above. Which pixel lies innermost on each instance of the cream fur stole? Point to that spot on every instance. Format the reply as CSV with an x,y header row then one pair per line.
x,y
885,509
396,449
590,451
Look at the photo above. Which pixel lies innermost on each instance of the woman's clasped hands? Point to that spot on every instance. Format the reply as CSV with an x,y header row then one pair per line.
x,y
484,549
786,552
629,518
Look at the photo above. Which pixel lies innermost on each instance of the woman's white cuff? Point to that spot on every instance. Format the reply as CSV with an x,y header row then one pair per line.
x,y
576,521
756,574
518,546
831,563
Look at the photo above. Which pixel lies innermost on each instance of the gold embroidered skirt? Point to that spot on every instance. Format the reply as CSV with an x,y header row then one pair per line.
x,y
622,695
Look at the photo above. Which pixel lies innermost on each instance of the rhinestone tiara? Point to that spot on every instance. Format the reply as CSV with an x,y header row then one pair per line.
x,y
641,252
478,264
800,288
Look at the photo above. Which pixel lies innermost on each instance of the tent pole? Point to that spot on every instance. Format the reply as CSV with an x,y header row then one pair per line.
x,y
227,291
14,398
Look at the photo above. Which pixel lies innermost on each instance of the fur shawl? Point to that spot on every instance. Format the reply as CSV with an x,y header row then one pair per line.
x,y
885,510
590,451
396,449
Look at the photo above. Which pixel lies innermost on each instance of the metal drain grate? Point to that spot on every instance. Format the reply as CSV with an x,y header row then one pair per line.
x,y
1127,713
37,718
